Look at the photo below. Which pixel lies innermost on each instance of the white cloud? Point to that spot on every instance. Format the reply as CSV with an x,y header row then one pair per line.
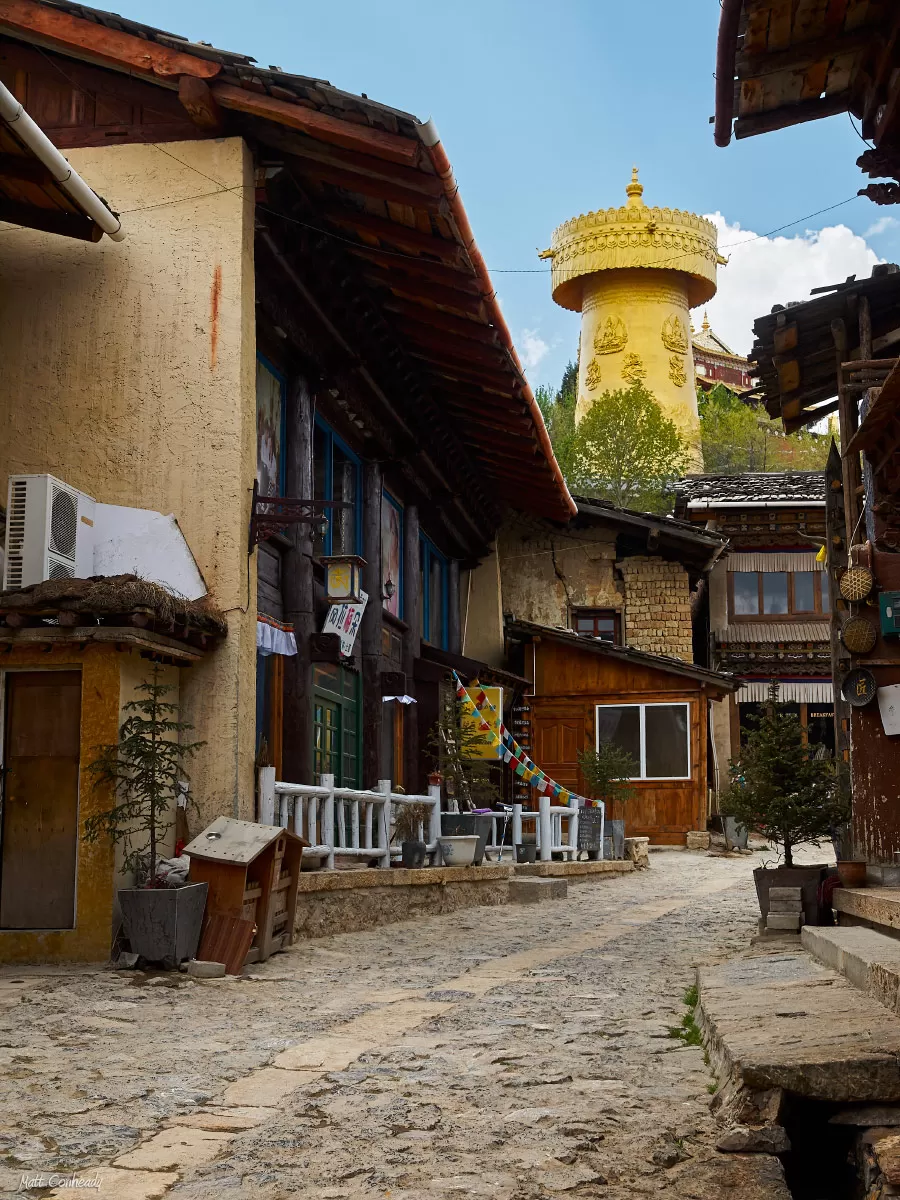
x,y
773,270
882,225
532,349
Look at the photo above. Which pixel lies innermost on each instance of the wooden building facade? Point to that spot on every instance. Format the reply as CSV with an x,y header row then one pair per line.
x,y
298,307
586,690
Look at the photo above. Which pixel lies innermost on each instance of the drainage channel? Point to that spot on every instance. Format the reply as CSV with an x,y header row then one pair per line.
x,y
826,1160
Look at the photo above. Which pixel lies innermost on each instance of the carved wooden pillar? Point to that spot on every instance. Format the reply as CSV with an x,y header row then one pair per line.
x,y
371,628
412,641
297,589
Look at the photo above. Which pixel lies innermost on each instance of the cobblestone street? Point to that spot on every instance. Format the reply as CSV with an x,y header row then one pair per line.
x,y
515,1052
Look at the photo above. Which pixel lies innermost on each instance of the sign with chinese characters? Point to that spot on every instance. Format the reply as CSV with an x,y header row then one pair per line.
x,y
486,749
344,620
859,687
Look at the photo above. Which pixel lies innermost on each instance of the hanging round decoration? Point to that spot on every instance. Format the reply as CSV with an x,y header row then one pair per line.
x,y
856,583
859,687
858,635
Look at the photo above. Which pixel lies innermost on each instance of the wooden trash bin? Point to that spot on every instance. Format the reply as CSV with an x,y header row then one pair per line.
x,y
252,873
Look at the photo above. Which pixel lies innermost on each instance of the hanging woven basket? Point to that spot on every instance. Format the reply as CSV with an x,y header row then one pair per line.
x,y
856,583
859,635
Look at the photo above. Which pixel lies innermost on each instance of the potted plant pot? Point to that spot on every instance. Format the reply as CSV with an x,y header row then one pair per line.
x,y
526,853
805,878
458,851
163,924
479,824
852,872
412,855
616,831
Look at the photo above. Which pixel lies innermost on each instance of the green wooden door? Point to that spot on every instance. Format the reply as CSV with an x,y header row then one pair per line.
x,y
336,726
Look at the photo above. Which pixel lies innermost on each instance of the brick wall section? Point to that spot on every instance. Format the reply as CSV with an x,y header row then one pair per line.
x,y
657,607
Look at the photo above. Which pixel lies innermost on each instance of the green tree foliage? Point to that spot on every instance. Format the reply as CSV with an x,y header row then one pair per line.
x,y
624,449
144,769
455,744
737,436
780,786
607,771
628,451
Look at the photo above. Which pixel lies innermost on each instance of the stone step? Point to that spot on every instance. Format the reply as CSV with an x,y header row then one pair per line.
x,y
877,907
534,890
867,959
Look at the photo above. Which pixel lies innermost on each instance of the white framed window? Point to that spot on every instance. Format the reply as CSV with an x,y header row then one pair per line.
x,y
657,736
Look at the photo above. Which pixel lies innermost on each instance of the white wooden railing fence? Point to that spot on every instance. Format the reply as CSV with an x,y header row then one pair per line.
x,y
355,823
342,821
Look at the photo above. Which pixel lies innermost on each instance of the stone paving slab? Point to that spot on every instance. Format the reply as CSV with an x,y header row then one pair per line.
x,y
175,1149
784,1020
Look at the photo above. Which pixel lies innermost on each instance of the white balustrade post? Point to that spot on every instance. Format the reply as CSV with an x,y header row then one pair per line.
x,y
602,829
327,781
434,820
516,827
575,805
299,803
545,837
283,811
384,839
267,795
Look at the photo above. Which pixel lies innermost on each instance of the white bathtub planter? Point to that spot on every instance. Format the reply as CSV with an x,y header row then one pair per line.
x,y
458,851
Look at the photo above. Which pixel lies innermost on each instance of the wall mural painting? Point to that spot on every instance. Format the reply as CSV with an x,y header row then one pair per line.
x,y
269,430
391,554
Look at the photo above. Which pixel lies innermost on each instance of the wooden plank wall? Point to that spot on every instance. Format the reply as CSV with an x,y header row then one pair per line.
x,y
569,682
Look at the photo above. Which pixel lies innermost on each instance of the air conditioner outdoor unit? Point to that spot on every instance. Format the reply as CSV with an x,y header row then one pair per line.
x,y
49,531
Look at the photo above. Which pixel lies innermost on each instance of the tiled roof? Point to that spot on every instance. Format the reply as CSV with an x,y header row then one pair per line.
x,y
777,631
705,339
753,487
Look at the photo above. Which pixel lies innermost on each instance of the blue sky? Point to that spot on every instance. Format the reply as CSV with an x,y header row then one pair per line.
x,y
544,107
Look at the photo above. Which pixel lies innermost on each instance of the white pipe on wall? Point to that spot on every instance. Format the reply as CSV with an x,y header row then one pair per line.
x,y
12,112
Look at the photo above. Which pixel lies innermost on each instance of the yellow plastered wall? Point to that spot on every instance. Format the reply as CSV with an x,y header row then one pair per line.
x,y
95,884
127,369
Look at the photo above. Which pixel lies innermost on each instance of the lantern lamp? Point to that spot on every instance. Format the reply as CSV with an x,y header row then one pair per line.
x,y
343,578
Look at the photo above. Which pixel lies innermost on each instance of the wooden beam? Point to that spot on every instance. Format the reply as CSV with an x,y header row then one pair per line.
x,y
434,318
318,125
369,185
401,236
792,114
51,26
803,55
50,220
23,169
452,348
200,104
416,288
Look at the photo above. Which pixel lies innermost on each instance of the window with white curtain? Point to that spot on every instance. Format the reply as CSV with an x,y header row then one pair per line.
x,y
657,736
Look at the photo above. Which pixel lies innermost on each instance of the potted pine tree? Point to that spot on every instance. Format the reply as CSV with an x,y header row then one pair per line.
x,y
409,820
145,771
783,789
606,772
468,785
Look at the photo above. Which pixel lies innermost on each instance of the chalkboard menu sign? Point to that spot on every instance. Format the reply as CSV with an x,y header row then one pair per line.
x,y
590,822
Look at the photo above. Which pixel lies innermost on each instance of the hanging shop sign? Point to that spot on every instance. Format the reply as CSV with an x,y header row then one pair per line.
x,y
344,620
492,715
859,687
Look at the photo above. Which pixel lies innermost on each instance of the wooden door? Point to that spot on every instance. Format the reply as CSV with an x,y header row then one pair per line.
x,y
558,740
40,800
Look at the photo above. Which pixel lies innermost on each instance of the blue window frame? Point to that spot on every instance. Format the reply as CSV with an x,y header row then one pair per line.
x,y
433,586
336,476
392,553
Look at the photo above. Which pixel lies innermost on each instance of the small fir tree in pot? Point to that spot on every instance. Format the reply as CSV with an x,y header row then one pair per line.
x,y
144,770
607,772
780,786
456,746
